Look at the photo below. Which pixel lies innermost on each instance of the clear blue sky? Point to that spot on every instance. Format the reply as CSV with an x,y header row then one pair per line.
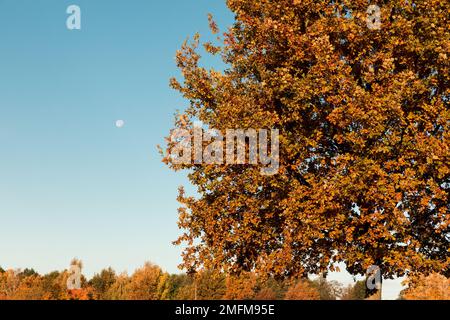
x,y
71,183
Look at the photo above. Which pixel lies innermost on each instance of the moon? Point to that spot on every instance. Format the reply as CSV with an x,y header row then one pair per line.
x,y
120,123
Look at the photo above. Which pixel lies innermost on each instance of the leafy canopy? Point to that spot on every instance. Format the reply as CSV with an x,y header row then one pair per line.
x,y
364,126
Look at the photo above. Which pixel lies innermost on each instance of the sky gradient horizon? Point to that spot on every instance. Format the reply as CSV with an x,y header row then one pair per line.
x,y
73,184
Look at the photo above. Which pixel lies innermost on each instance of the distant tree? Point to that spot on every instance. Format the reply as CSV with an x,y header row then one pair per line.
x,y
9,283
103,281
356,291
175,283
271,287
53,286
241,287
148,283
266,293
119,290
432,287
28,273
30,288
86,293
204,285
1,270
328,290
302,290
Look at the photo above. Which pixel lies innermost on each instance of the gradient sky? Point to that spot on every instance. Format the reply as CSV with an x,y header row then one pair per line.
x,y
72,184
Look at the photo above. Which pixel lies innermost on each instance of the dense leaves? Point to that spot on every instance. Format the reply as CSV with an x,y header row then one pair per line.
x,y
151,283
432,287
364,123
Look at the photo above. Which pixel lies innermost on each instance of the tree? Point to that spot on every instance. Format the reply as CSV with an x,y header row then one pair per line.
x,y
175,283
203,285
120,288
266,293
30,288
103,281
363,116
54,285
271,289
9,283
328,290
86,293
355,292
432,287
148,283
241,287
28,273
302,290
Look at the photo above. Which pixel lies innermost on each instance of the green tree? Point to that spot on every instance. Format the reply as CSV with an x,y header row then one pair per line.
x,y
103,281
28,273
175,283
363,116
328,290
356,291
52,285
204,285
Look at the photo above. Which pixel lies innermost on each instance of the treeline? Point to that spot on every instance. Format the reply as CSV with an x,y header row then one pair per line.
x,y
150,282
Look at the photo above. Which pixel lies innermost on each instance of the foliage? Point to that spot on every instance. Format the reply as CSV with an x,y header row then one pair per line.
x,y
432,287
328,290
204,285
151,282
241,287
103,281
355,292
363,116
147,283
120,289
302,290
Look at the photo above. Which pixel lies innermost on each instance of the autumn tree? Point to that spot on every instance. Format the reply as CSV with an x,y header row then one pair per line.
x,y
147,283
101,282
9,283
266,293
176,283
357,291
271,289
432,287
203,285
241,287
363,116
55,286
302,290
119,290
86,293
28,272
30,288
328,290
